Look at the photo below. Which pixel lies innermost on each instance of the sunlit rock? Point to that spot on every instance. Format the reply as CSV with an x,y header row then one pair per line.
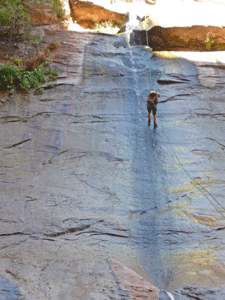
x,y
195,38
87,15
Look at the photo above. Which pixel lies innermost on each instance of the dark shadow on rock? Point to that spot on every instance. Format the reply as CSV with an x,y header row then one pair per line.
x,y
8,291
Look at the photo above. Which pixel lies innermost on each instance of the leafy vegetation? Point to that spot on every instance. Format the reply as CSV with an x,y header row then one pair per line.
x,y
220,47
16,78
35,39
48,52
17,61
108,26
39,91
209,42
15,15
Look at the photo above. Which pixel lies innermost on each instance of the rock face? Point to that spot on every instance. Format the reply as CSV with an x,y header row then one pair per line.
x,y
83,178
31,54
195,38
41,15
133,285
86,14
200,293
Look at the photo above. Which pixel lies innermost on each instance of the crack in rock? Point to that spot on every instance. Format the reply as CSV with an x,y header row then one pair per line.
x,y
104,229
221,228
220,144
210,115
14,234
92,233
18,144
11,119
173,97
172,79
71,230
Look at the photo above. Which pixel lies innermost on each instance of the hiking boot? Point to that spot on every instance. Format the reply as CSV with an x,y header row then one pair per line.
x,y
155,125
149,121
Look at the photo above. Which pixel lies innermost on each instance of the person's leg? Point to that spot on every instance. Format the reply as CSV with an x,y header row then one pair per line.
x,y
149,115
154,118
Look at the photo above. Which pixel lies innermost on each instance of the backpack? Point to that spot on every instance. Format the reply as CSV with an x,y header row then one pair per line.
x,y
152,97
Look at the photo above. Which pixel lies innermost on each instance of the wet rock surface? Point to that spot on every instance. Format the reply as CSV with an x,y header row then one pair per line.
x,y
83,178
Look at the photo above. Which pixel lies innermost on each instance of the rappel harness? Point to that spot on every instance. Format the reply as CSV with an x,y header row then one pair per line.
x,y
151,100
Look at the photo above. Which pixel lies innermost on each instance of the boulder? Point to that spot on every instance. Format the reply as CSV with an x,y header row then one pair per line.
x,y
132,284
194,38
86,14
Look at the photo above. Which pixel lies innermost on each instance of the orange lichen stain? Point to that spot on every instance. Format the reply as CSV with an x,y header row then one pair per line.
x,y
200,181
178,122
180,190
192,185
199,257
194,267
177,208
201,152
209,221
183,209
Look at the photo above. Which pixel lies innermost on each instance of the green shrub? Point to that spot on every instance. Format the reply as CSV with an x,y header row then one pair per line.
x,y
17,61
39,91
54,72
48,53
13,13
52,77
25,83
57,8
46,63
209,41
9,76
55,43
111,27
15,77
35,39
220,47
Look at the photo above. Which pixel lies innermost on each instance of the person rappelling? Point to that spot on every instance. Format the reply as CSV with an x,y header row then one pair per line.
x,y
152,102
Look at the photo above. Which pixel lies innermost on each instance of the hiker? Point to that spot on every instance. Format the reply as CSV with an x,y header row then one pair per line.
x,y
152,102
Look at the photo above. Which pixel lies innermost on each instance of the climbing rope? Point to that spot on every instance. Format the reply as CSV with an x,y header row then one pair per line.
x,y
150,73
198,185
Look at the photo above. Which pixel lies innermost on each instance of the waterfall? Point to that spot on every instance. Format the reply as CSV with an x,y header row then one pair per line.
x,y
136,11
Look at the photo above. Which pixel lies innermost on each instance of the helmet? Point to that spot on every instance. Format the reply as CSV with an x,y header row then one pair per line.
x,y
154,93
